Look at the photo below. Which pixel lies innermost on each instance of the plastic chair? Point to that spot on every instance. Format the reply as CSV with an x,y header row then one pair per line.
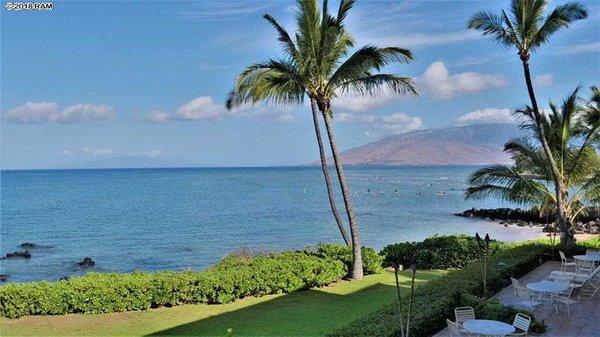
x,y
463,314
565,263
526,298
521,324
515,284
566,300
454,328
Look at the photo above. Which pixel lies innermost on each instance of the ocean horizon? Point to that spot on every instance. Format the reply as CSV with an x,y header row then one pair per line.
x,y
188,218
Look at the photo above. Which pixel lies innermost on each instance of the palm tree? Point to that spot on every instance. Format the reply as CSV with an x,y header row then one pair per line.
x,y
572,132
313,67
527,29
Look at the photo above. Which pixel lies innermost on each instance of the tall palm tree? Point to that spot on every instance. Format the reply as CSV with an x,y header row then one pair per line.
x,y
526,28
572,132
313,67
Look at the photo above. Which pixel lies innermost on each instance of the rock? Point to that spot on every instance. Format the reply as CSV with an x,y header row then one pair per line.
x,y
87,262
593,230
64,278
16,255
3,277
30,245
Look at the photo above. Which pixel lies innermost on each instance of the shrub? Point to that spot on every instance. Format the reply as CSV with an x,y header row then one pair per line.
x,y
371,260
435,301
234,277
436,252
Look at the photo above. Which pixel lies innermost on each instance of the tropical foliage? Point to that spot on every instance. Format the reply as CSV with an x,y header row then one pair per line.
x,y
315,66
526,28
234,277
572,131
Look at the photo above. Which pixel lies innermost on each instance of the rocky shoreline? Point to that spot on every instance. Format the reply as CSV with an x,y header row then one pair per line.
x,y
589,224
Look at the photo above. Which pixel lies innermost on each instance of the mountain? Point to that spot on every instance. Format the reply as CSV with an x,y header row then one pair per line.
x,y
460,145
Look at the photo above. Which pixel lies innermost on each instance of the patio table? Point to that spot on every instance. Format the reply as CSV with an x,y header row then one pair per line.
x,y
588,257
548,287
488,327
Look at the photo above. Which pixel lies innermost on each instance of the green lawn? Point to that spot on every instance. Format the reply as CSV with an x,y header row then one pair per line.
x,y
305,313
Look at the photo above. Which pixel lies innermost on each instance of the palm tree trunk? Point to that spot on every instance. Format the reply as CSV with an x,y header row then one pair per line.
x,y
566,236
334,210
357,266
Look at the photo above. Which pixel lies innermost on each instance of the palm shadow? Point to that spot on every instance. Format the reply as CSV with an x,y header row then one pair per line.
x,y
302,313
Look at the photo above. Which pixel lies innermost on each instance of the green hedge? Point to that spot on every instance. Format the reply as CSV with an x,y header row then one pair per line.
x,y
234,277
371,259
436,300
436,252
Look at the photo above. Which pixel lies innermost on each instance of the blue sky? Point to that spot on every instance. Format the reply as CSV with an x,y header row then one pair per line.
x,y
101,80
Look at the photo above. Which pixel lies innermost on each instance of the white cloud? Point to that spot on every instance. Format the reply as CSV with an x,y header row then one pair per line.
x,y
440,84
544,80
204,108
101,152
201,108
580,48
149,153
106,152
65,153
381,125
486,116
417,40
350,103
49,112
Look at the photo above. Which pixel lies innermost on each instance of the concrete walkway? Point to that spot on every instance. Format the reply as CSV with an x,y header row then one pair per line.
x,y
585,315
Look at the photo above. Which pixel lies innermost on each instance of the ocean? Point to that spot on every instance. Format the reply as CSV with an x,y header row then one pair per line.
x,y
176,219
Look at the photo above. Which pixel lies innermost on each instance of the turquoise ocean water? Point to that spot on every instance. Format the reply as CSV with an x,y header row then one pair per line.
x,y
157,219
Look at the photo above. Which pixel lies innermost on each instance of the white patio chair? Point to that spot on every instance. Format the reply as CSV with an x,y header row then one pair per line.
x,y
515,284
526,299
521,324
463,314
565,262
566,300
454,328
584,267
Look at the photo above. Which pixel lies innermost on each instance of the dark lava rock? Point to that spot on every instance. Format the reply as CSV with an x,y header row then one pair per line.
x,y
64,278
30,245
16,255
3,277
87,262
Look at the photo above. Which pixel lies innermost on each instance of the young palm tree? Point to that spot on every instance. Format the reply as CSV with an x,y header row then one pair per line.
x,y
526,28
313,67
572,132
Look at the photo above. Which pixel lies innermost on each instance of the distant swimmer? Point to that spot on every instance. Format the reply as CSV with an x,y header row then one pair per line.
x,y
380,192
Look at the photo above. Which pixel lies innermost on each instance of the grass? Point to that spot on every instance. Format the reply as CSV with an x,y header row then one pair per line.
x,y
312,312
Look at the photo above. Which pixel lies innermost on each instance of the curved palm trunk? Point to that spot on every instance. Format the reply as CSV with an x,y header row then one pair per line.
x,y
330,194
566,234
357,266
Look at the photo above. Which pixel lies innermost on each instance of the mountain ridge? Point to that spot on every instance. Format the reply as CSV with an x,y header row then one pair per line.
x,y
456,145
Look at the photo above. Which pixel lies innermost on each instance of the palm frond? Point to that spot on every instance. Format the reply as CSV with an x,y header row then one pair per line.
x,y
373,84
365,60
560,18
493,25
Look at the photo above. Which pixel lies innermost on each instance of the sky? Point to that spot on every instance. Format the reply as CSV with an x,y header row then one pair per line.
x,y
100,80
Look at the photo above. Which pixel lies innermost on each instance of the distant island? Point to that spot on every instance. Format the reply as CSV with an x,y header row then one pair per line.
x,y
458,145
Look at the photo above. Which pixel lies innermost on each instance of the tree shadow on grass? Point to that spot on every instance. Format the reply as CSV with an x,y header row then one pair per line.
x,y
312,312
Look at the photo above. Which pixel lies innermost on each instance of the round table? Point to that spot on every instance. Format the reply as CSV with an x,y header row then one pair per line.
x,y
487,327
548,286
588,257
